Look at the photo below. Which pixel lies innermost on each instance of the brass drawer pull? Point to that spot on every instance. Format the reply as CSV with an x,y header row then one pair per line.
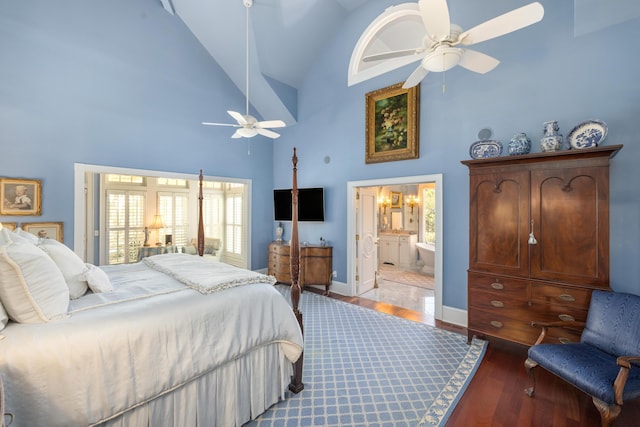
x,y
497,304
496,324
497,286
566,317
567,297
564,340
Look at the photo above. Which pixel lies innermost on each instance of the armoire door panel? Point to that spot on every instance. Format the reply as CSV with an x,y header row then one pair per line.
x,y
500,207
569,208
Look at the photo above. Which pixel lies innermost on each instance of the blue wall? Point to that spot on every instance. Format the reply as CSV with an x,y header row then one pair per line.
x,y
116,83
124,83
545,74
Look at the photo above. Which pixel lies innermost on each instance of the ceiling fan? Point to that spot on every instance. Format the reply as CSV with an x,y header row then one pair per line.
x,y
248,125
433,40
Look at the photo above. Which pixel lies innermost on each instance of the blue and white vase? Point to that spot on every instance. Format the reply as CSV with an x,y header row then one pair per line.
x,y
552,140
519,144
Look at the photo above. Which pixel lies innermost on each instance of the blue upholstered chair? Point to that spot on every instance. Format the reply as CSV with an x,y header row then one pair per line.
x,y
605,364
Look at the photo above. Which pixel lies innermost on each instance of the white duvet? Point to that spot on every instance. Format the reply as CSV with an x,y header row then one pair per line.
x,y
149,336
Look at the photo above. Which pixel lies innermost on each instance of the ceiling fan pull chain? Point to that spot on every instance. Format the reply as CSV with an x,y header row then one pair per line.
x,y
444,85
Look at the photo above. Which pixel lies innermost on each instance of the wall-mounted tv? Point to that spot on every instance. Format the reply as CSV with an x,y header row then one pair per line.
x,y
310,204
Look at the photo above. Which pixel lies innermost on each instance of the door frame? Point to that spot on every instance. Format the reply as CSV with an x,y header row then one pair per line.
x,y
352,187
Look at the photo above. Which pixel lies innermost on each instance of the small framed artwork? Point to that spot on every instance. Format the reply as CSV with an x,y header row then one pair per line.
x,y
392,124
45,230
396,200
9,225
20,196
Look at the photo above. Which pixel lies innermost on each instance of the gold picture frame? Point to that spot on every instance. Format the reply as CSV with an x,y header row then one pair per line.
x,y
48,230
9,225
20,196
396,200
392,128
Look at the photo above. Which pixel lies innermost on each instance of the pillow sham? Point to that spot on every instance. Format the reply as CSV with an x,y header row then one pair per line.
x,y
32,288
70,264
97,279
31,238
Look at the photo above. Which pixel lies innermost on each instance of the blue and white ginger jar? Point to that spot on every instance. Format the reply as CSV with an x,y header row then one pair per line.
x,y
519,144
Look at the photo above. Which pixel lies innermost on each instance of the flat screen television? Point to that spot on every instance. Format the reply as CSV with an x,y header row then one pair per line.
x,y
310,204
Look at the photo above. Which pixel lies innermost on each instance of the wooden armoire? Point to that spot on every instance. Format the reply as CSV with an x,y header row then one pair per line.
x,y
538,241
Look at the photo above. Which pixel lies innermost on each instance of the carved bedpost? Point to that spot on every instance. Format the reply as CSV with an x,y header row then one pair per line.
x,y
200,221
296,385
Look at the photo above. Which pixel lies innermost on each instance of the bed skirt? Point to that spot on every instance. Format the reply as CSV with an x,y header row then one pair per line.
x,y
231,395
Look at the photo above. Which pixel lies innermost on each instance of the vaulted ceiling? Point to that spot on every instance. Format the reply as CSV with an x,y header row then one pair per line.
x,y
284,36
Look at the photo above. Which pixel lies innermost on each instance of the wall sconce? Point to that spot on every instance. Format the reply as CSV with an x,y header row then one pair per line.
x,y
412,201
157,224
384,202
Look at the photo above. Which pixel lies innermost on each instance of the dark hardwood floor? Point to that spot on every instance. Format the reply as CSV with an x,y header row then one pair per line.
x,y
495,396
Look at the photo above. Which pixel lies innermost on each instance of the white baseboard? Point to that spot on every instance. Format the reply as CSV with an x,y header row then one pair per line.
x,y
454,316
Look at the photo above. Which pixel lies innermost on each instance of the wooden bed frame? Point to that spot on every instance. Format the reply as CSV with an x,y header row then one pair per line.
x,y
296,385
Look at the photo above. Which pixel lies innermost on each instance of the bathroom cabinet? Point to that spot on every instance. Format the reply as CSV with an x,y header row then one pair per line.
x,y
538,242
398,249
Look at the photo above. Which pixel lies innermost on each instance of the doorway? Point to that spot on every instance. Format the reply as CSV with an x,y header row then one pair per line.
x,y
355,221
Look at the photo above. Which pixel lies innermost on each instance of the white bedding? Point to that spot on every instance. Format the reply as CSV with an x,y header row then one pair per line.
x,y
124,348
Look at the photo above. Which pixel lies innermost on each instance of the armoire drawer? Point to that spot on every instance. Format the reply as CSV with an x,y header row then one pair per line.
x,y
494,324
563,295
503,285
502,304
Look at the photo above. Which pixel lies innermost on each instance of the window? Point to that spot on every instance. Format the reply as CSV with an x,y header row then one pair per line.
x,y
213,213
174,209
234,220
124,225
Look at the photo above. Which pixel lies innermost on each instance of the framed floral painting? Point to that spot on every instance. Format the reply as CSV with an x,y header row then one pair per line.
x,y
392,116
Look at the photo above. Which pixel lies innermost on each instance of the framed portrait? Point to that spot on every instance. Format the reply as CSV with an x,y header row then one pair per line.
x,y
392,124
9,225
396,200
20,196
47,230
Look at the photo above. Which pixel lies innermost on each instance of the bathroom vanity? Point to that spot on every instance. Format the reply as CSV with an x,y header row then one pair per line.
x,y
398,249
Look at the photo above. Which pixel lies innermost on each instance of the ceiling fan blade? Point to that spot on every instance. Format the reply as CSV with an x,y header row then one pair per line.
x,y
219,124
503,24
271,124
238,117
391,54
415,77
477,61
236,134
267,133
435,16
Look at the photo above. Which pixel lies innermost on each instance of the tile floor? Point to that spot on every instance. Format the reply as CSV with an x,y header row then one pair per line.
x,y
408,290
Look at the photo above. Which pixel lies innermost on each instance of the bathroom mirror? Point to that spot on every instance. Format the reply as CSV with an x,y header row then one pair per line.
x,y
396,221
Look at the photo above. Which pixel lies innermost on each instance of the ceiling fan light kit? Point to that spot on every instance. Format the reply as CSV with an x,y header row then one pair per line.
x,y
430,38
248,125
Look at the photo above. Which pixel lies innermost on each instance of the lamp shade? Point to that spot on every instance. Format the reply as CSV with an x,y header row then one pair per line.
x,y
157,223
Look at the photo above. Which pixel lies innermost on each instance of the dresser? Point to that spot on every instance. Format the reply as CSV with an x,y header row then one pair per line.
x,y
316,264
538,241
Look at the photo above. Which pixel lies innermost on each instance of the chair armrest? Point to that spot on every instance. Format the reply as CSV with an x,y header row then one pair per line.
x,y
618,385
569,324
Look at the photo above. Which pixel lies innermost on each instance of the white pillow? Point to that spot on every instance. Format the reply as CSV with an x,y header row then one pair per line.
x,y
97,279
70,264
32,288
31,238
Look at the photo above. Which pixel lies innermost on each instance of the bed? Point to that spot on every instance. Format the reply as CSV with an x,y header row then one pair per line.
x,y
173,340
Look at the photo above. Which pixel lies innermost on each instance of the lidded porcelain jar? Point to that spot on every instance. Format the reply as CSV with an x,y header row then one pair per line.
x,y
552,140
519,144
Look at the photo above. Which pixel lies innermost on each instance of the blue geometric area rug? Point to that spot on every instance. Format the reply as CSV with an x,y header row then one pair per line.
x,y
366,368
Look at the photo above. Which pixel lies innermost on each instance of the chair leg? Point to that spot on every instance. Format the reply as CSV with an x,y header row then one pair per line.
x,y
608,413
529,364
